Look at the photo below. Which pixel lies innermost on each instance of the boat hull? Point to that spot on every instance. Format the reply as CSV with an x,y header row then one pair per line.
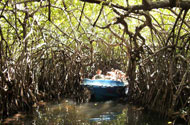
x,y
105,89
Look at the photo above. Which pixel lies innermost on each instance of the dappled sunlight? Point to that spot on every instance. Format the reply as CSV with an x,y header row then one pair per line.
x,y
47,48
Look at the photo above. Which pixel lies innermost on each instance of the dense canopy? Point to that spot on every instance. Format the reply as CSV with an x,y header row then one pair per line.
x,y
47,44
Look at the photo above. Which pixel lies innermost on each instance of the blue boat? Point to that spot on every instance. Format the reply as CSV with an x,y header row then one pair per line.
x,y
105,89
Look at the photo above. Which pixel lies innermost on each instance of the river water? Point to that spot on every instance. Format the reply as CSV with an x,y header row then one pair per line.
x,y
68,112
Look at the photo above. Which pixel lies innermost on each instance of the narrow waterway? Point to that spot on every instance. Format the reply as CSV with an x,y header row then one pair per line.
x,y
68,112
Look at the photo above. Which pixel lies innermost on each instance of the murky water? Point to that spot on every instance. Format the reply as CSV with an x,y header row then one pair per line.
x,y
94,113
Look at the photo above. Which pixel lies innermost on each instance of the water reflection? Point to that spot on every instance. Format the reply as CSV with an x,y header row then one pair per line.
x,y
94,113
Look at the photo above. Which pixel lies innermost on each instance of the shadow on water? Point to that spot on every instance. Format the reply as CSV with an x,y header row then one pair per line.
x,y
94,113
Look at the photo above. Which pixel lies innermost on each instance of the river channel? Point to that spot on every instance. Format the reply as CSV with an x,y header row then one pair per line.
x,y
67,112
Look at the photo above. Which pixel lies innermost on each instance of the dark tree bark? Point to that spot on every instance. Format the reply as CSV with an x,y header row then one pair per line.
x,y
172,3
93,1
151,5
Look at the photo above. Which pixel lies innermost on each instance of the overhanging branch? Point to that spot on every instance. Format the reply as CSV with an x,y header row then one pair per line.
x,y
153,5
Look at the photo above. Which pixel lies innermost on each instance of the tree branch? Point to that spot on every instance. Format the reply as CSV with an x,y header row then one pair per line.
x,y
98,15
81,15
173,29
181,18
49,9
93,1
4,7
11,26
1,34
152,5
184,15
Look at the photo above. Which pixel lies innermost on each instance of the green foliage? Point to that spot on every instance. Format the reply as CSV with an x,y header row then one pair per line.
x,y
35,38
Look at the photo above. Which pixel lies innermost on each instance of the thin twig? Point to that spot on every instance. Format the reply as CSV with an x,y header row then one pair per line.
x,y
173,29
176,15
4,7
81,15
11,26
98,15
185,13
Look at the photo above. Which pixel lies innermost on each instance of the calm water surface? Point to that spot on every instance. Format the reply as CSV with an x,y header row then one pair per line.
x,y
68,112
